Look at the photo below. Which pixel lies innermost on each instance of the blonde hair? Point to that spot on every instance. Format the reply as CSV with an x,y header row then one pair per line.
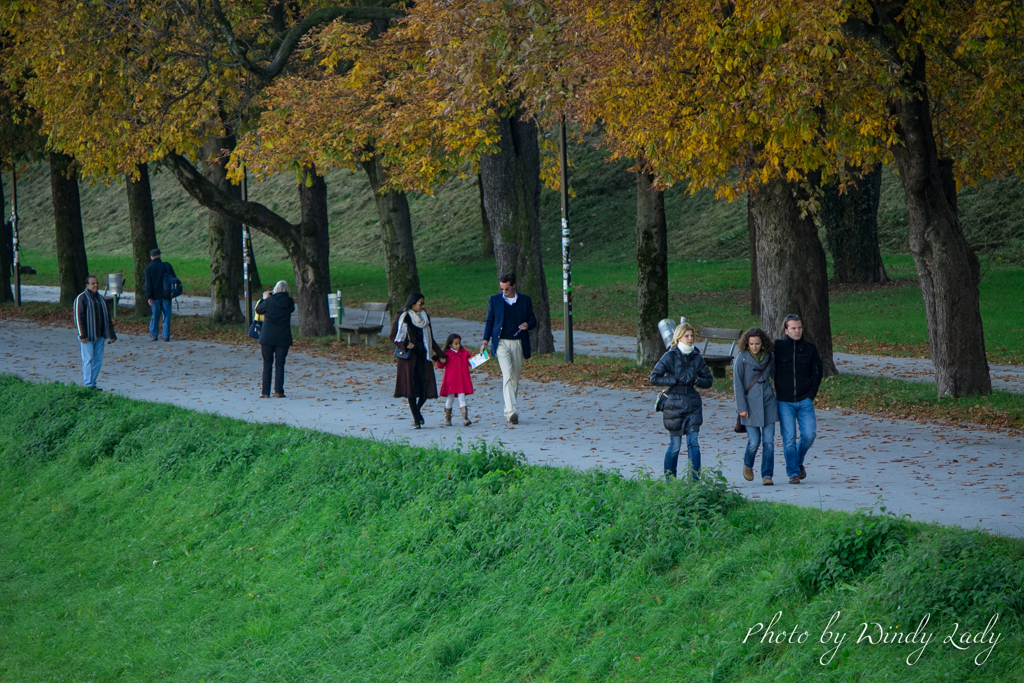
x,y
681,330
281,286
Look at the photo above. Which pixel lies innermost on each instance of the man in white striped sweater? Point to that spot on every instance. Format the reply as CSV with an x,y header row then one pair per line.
x,y
94,329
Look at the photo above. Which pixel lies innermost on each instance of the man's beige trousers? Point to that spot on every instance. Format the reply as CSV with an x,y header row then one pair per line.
x,y
510,360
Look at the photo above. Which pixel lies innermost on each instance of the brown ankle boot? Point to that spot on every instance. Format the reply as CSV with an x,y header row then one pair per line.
x,y
465,416
447,417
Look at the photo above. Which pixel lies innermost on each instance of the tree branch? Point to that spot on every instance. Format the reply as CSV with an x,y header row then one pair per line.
x,y
290,40
229,36
253,214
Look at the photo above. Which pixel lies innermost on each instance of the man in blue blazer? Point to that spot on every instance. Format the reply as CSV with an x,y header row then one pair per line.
x,y
507,329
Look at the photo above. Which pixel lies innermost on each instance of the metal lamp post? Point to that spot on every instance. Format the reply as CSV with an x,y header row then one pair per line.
x,y
247,254
566,255
14,237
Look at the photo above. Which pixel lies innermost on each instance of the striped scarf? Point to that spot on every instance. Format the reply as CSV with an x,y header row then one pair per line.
x,y
93,303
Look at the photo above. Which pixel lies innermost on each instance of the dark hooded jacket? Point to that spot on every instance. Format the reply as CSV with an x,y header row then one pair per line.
x,y
276,310
683,412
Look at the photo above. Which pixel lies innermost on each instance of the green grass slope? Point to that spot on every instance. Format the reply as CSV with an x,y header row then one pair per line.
x,y
143,542
447,225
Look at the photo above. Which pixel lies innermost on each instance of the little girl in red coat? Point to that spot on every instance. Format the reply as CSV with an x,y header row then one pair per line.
x,y
456,381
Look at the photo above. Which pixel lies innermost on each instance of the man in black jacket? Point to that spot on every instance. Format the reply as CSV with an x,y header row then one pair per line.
x,y
798,372
159,300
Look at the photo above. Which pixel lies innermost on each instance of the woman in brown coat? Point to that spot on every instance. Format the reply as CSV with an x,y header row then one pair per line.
x,y
413,338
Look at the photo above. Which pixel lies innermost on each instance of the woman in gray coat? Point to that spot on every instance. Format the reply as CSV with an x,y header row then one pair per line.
x,y
752,372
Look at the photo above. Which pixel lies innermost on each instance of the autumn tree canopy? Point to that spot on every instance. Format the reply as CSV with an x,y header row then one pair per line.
x,y
772,97
119,84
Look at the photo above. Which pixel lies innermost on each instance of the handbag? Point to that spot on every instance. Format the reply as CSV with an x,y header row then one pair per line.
x,y
402,353
659,405
739,427
256,326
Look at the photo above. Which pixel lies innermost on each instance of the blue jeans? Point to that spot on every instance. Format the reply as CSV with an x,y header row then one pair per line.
x,y
160,306
92,360
790,414
764,437
675,443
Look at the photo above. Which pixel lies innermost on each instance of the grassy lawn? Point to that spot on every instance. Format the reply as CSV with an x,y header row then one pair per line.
x,y
144,542
886,321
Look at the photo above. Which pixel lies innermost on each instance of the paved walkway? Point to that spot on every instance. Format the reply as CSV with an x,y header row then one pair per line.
x,y
1004,377
969,477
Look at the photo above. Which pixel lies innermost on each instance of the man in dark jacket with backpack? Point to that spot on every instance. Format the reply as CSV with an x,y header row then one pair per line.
x,y
798,373
159,276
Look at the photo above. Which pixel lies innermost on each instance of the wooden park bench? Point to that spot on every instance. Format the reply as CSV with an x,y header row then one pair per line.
x,y
717,360
370,326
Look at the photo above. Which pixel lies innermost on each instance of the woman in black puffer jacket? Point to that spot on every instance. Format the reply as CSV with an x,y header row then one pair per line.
x,y
681,369
275,335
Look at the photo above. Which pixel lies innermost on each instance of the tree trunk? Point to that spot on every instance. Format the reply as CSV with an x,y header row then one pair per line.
x,y
396,235
755,289
306,243
487,250
851,224
72,265
947,268
143,231
225,237
311,264
511,182
6,250
651,270
791,270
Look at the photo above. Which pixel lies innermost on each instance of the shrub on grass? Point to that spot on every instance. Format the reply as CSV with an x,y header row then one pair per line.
x,y
854,549
954,573
560,526
46,417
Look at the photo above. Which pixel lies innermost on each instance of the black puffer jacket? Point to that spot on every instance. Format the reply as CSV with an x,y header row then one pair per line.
x,y
277,321
798,370
682,372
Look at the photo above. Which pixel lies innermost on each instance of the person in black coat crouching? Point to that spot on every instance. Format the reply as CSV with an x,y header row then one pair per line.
x,y
681,369
275,335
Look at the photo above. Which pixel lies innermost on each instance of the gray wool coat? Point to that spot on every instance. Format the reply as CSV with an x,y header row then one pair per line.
x,y
760,402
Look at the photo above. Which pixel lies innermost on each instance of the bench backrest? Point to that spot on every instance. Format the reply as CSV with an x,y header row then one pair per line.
x,y
374,313
720,334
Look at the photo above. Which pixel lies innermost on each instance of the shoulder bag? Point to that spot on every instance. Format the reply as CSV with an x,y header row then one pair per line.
x,y
659,405
256,326
402,353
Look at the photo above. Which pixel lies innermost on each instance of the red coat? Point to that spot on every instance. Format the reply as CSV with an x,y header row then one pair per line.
x,y
456,372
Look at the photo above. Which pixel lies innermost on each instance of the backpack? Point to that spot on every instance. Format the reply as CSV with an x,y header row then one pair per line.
x,y
171,285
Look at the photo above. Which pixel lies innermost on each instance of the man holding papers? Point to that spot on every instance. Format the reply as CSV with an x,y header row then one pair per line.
x,y
507,329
